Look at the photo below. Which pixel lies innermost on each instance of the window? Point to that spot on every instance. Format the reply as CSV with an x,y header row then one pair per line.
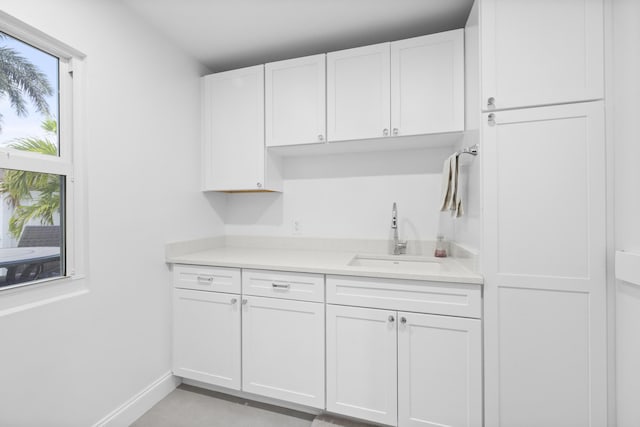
x,y
36,156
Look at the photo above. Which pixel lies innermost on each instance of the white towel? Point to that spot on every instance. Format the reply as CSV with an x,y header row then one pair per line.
x,y
451,197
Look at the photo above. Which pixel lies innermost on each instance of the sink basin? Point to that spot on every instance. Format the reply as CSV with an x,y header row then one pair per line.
x,y
399,263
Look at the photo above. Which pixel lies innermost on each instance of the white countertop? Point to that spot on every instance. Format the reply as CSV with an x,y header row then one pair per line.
x,y
325,262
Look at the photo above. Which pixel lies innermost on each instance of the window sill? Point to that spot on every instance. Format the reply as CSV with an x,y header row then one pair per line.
x,y
26,297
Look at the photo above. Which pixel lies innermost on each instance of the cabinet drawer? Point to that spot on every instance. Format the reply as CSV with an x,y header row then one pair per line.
x,y
281,284
219,279
455,299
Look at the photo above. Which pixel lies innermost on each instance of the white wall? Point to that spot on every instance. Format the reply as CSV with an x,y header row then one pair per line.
x,y
349,196
69,363
626,111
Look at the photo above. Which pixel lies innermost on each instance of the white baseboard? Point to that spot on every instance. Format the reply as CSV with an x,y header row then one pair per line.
x,y
134,408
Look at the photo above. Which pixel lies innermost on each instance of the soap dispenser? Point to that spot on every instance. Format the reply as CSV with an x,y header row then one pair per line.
x,y
441,249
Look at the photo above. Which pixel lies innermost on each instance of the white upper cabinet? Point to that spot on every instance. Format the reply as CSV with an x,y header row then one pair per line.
x,y
408,87
233,131
427,84
358,93
402,88
295,101
541,52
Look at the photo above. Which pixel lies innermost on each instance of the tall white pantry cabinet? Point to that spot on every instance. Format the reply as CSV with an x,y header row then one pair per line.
x,y
543,172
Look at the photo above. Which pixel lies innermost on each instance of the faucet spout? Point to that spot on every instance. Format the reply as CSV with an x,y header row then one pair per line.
x,y
398,246
394,216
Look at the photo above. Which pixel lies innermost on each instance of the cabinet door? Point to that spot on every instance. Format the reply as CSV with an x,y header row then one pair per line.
x,y
362,363
541,52
283,349
544,266
439,371
233,106
358,93
295,101
427,84
206,337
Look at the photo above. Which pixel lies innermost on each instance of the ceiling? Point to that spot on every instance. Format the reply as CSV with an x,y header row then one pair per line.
x,y
228,34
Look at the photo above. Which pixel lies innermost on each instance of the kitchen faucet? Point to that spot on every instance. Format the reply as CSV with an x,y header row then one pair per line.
x,y
398,246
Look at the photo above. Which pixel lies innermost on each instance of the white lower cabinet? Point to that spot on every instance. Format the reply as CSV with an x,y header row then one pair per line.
x,y
273,346
206,337
398,367
362,363
385,362
283,349
439,371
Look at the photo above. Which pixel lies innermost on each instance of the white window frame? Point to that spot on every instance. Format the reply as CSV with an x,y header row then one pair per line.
x,y
70,163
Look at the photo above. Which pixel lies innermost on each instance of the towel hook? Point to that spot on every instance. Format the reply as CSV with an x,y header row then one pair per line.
x,y
473,150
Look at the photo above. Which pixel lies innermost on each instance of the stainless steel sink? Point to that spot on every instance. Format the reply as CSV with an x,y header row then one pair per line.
x,y
399,263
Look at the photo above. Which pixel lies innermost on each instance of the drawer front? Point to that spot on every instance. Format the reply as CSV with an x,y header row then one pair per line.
x,y
204,278
452,299
282,284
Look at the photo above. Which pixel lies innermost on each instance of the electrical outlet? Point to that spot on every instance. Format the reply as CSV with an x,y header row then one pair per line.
x,y
296,227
